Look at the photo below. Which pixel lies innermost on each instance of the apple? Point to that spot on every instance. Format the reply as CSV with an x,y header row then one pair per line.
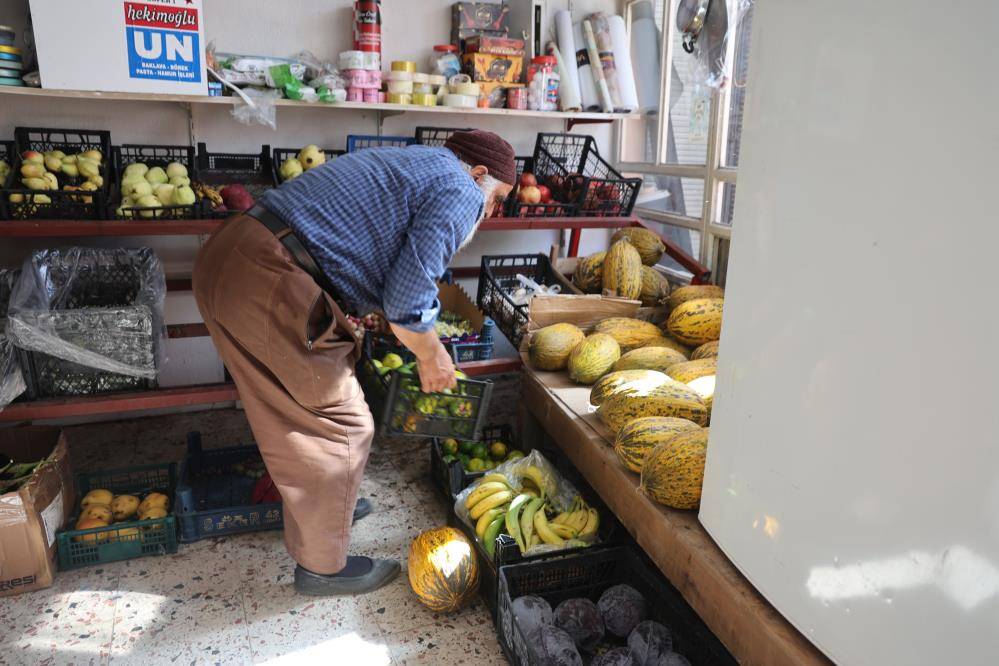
x,y
527,179
546,194
529,195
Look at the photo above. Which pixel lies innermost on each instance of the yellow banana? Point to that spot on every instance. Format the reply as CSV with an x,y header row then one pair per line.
x,y
534,541
513,519
545,532
559,519
482,491
491,502
495,477
484,520
563,531
529,491
592,524
536,476
576,520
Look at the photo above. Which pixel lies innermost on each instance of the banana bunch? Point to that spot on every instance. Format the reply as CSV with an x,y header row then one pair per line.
x,y
580,521
208,192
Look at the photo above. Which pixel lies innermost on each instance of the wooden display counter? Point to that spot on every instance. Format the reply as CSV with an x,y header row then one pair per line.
x,y
743,620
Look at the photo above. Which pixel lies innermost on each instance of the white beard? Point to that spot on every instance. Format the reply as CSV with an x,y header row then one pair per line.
x,y
487,194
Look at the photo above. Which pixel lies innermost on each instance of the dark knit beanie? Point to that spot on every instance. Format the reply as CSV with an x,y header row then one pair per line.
x,y
477,147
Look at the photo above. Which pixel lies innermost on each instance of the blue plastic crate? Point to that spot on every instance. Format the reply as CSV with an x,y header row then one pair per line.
x,y
214,500
358,141
479,350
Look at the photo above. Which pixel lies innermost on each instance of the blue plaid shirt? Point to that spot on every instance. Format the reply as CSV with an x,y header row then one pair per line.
x,y
383,224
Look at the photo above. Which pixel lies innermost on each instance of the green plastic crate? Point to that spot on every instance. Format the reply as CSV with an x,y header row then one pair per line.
x,y
126,540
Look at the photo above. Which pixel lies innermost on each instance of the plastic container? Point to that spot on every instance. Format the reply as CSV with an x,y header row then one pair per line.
x,y
152,156
252,170
444,60
214,499
588,574
498,281
279,155
58,204
542,83
516,98
126,540
598,188
357,142
451,478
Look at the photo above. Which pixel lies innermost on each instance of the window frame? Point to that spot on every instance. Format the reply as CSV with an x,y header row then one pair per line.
x,y
713,173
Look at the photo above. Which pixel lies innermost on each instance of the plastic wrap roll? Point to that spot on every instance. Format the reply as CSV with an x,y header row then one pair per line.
x,y
464,86
400,87
398,98
622,59
399,76
461,101
372,60
352,60
404,66
587,89
437,80
568,90
420,77
425,99
422,88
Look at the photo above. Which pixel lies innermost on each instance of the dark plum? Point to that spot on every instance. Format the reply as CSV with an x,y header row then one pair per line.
x,y
531,613
622,608
648,641
581,618
556,647
616,657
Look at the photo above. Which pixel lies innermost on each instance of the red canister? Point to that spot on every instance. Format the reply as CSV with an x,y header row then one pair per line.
x,y
516,98
368,25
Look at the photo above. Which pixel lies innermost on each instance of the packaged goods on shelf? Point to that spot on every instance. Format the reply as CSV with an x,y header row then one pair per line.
x,y
497,93
469,19
494,45
489,67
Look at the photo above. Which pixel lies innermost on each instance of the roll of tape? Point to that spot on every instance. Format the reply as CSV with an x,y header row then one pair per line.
x,y
399,76
398,98
422,88
470,89
420,77
437,80
13,50
425,99
403,66
372,60
400,87
461,101
352,60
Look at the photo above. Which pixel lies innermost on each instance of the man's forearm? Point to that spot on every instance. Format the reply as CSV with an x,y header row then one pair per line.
x,y
423,345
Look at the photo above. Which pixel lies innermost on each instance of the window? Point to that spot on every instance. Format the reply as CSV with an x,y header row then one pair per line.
x,y
688,157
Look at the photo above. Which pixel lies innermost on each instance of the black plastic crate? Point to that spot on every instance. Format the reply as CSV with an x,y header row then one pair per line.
x,y
409,411
357,142
254,171
279,155
598,188
100,296
214,498
551,174
451,477
7,153
125,540
57,203
588,575
154,156
436,136
498,281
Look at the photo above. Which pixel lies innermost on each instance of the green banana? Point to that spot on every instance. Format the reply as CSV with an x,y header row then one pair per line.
x,y
513,519
527,520
486,518
545,532
493,531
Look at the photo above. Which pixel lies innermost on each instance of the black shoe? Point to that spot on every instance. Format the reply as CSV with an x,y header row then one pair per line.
x,y
362,508
381,573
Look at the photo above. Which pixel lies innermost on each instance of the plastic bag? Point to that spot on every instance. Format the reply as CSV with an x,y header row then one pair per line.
x,y
560,492
11,378
710,44
529,289
251,70
99,307
259,108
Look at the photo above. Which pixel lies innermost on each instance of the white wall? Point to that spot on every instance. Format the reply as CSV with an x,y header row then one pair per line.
x,y
409,29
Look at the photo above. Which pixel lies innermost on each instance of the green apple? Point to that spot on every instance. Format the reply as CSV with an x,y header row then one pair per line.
x,y
136,168
164,192
140,189
156,175
180,181
149,201
290,168
176,170
183,196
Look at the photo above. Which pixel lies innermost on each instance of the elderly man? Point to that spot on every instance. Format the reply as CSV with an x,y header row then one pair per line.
x,y
369,231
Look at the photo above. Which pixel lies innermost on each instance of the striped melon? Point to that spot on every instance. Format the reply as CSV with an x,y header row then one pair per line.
x,y
666,341
696,322
692,291
650,247
588,275
690,370
705,387
629,333
641,435
673,472
655,288
614,381
592,358
443,569
666,399
650,358
707,350
550,346
623,270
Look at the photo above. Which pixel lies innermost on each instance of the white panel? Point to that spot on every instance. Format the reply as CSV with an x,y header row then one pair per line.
x,y
853,469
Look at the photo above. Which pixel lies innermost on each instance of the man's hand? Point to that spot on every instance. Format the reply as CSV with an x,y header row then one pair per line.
x,y
435,365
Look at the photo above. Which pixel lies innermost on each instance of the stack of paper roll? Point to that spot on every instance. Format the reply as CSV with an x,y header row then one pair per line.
x,y
610,85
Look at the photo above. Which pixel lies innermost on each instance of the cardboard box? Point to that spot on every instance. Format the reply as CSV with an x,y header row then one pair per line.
x,y
494,45
480,15
655,315
30,516
495,92
157,46
454,299
489,67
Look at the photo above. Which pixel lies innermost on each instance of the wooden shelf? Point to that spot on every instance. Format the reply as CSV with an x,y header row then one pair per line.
x,y
752,630
82,228
45,93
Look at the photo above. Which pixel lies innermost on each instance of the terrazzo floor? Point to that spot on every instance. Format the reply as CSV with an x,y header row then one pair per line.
x,y
230,600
